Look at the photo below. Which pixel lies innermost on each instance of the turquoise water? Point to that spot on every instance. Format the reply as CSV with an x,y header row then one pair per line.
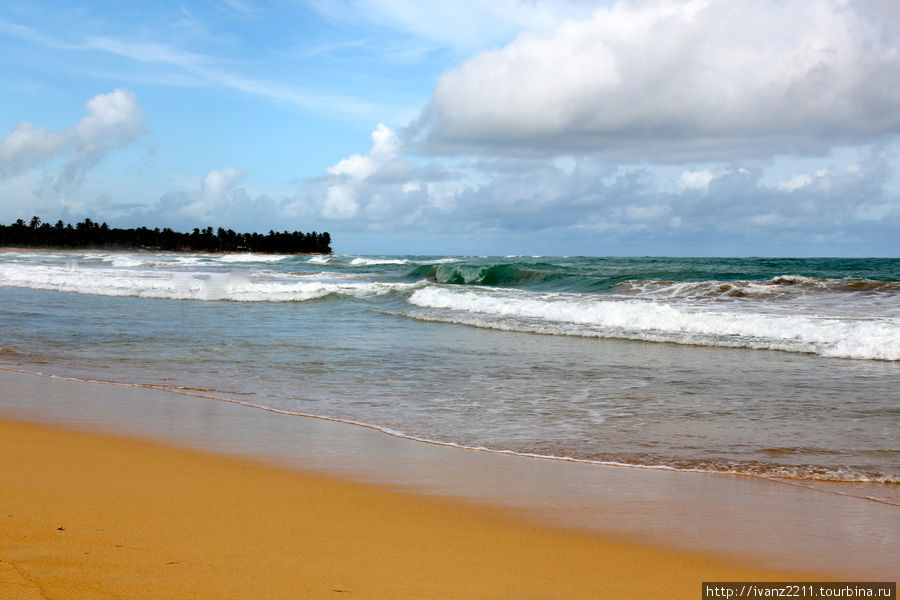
x,y
770,367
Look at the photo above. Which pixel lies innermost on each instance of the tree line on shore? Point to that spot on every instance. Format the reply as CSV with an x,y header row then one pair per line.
x,y
91,235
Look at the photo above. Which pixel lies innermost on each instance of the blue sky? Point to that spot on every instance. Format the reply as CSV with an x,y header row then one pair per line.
x,y
659,127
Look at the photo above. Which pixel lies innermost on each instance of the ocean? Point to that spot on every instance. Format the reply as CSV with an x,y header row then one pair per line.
x,y
775,368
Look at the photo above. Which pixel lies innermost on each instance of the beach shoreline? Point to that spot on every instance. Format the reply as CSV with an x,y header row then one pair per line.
x,y
96,516
577,502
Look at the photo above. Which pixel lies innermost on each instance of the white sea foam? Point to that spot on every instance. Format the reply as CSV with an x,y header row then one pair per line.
x,y
249,258
181,260
440,261
320,260
124,260
657,321
781,287
188,285
184,260
365,262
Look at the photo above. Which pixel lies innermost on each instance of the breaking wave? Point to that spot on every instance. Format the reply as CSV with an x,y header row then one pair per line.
x,y
182,285
367,262
499,275
594,316
783,285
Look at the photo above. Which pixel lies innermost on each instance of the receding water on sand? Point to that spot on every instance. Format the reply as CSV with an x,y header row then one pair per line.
x,y
751,521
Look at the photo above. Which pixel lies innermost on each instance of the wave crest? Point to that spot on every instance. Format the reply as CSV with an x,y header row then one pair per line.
x,y
184,285
654,321
495,275
783,285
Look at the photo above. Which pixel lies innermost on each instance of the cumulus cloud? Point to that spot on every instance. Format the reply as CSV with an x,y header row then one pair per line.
x,y
726,208
111,121
217,184
353,179
385,147
218,197
696,180
340,202
796,182
678,81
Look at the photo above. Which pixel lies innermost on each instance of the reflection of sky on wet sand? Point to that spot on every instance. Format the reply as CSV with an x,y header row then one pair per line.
x,y
769,523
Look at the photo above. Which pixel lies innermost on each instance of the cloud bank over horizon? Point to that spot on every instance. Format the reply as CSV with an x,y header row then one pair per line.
x,y
587,198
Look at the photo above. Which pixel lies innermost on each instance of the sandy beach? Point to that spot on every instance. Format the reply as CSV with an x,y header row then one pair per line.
x,y
94,516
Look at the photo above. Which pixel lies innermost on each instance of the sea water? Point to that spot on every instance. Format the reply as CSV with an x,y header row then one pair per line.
x,y
785,368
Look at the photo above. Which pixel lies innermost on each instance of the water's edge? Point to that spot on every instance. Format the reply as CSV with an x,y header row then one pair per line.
x,y
877,490
705,512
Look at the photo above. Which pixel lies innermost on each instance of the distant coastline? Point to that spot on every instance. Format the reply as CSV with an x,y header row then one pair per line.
x,y
59,250
89,235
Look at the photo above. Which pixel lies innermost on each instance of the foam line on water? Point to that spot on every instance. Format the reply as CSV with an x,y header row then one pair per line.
x,y
782,476
187,285
593,316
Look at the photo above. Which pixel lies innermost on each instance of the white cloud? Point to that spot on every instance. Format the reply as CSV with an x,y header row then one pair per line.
x,y
340,202
678,81
27,146
797,181
385,147
218,192
219,200
113,120
216,184
696,180
647,213
349,176
726,208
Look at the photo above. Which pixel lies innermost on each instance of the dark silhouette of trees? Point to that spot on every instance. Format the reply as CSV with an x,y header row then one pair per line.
x,y
88,234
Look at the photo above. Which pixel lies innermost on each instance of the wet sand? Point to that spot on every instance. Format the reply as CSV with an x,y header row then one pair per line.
x,y
91,516
156,521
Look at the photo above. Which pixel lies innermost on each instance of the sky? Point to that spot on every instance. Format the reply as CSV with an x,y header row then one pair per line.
x,y
543,127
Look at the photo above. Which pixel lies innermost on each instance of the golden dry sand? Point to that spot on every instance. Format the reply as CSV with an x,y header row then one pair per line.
x,y
89,516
